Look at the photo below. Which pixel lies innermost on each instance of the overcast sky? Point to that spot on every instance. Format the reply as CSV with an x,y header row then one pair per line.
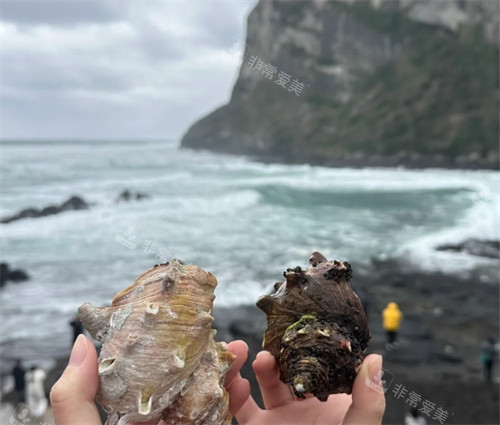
x,y
115,70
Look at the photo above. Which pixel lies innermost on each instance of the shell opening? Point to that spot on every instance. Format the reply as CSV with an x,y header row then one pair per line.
x,y
106,365
145,403
152,309
179,362
299,388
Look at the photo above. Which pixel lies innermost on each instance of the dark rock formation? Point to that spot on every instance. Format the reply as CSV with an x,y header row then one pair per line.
x,y
388,83
128,195
73,203
14,275
481,248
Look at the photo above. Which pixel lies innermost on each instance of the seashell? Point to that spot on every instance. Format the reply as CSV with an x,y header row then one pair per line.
x,y
316,328
159,358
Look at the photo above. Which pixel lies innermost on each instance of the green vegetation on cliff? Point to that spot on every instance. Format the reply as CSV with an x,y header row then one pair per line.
x,y
379,88
439,97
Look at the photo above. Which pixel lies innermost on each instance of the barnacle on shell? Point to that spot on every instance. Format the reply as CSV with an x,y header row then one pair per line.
x,y
159,358
316,328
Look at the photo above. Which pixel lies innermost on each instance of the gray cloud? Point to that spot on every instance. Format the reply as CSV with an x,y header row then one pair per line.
x,y
64,13
148,69
218,25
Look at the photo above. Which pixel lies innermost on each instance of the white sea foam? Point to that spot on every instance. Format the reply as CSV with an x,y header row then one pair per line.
x,y
244,221
480,221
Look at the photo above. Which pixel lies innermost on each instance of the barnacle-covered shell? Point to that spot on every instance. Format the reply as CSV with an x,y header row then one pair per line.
x,y
316,328
159,357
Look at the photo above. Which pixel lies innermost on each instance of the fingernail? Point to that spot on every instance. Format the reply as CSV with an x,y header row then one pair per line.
x,y
79,351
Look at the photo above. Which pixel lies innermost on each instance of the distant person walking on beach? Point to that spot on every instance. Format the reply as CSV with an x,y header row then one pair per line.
x,y
77,326
392,320
35,391
19,381
488,354
414,418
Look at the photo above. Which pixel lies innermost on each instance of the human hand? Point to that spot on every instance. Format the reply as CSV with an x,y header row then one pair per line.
x,y
72,396
365,406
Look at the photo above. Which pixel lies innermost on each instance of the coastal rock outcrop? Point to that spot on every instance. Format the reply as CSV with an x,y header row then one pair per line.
x,y
480,248
128,195
73,203
364,83
13,275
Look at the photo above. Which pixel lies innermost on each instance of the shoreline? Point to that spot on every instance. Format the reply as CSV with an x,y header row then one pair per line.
x,y
357,161
391,162
445,320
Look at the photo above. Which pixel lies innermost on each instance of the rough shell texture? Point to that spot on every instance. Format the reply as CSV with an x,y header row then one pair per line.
x,y
316,328
159,357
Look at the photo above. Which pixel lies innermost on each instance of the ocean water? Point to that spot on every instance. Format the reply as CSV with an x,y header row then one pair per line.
x,y
244,221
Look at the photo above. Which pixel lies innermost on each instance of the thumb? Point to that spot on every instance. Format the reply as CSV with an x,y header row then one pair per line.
x,y
72,396
368,400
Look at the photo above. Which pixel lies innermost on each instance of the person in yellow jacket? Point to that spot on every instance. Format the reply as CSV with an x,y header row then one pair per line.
x,y
392,320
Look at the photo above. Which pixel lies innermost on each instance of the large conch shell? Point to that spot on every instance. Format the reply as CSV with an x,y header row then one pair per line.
x,y
159,357
316,328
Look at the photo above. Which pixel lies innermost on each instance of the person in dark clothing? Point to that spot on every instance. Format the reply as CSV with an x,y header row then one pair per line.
x,y
19,381
77,326
488,354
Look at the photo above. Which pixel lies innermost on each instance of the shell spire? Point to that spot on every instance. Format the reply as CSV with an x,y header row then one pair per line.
x,y
316,328
159,358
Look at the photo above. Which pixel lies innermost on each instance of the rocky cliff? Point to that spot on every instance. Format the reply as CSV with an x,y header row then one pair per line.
x,y
409,82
